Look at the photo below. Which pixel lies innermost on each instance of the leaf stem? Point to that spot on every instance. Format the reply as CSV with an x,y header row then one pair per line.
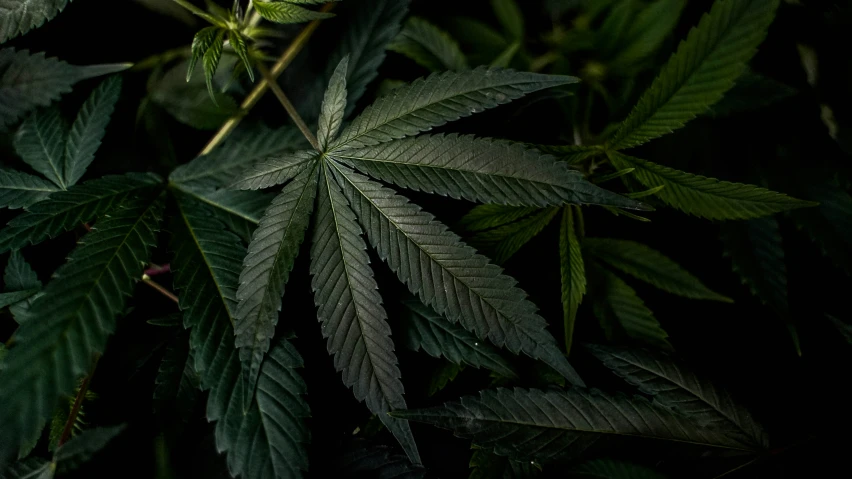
x,y
251,100
154,269
291,110
150,282
78,403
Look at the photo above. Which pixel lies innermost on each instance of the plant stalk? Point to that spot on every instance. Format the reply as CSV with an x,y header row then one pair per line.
x,y
78,403
150,282
291,110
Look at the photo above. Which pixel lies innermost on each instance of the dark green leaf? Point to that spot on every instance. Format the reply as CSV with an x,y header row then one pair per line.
x,y
176,383
830,224
445,373
239,45
19,190
275,170
20,16
89,128
7,299
282,12
191,103
333,105
79,449
506,240
751,92
19,276
429,46
40,142
484,217
573,271
645,34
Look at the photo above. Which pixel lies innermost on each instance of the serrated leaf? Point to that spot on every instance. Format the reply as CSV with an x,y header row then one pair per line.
x,y
571,153
573,269
89,128
210,61
485,217
560,425
485,465
80,448
40,142
245,147
830,224
65,210
333,105
617,305
674,385
275,170
19,190
704,67
707,197
511,18
377,461
201,42
176,382
282,12
238,42
30,468
483,170
427,330
71,322
19,276
240,211
448,275
645,34
612,469
266,270
440,98
429,46
445,373
206,265
651,266
7,299
30,81
506,240
349,308
20,16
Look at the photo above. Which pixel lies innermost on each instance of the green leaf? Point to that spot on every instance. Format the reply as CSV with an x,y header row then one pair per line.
x,y
674,385
440,98
20,16
445,373
19,190
79,449
89,128
65,210
485,465
19,276
651,266
201,42
240,47
704,67
266,270
349,308
30,81
71,322
438,337
7,299
529,424
506,240
612,469
751,92
483,170
191,103
707,197
571,153
30,468
240,211
176,383
484,217
645,34
40,142
511,18
505,58
267,441
210,61
281,12
377,461
333,105
246,146
483,42
573,271
275,170
448,275
830,224
429,46
616,305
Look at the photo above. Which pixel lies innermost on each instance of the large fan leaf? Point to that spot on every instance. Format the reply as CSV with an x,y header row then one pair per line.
x,y
18,190
89,128
554,425
40,142
480,170
29,81
267,441
20,16
66,209
573,271
425,329
705,66
351,311
649,265
333,105
71,322
438,99
429,46
707,197
274,171
674,385
448,275
266,269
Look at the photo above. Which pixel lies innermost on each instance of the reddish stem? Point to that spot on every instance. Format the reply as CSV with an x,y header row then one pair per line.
x,y
78,403
154,270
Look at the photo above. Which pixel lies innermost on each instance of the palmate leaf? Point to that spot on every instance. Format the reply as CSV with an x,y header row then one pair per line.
x,y
275,170
284,12
481,170
651,266
440,98
65,210
40,142
427,330
71,322
350,310
30,81
506,240
267,441
612,469
707,197
674,385
89,128
545,426
333,105
20,16
448,275
429,46
266,270
705,66
485,465
573,269
19,190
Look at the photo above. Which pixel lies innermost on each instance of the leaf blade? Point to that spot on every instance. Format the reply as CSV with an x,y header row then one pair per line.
x,y
333,105
573,271
40,142
429,46
19,190
89,128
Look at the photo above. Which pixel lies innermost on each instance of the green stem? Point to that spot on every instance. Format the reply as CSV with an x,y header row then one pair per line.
x,y
291,110
201,13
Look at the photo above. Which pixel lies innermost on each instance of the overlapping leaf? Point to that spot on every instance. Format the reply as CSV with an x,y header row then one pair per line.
x,y
507,239
19,276
19,190
40,142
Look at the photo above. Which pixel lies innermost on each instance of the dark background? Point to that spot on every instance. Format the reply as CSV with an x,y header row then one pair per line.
x,y
802,401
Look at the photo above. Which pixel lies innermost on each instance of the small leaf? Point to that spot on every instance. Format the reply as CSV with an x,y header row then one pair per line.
x,y
651,266
441,378
612,469
19,276
89,128
429,46
40,142
21,16
707,197
333,105
177,384
201,42
210,61
281,12
239,44
79,449
573,272
19,190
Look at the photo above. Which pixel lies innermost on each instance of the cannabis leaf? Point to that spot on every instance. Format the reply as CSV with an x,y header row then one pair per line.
x,y
79,449
41,143
645,34
176,381
705,66
674,385
19,190
286,11
88,129
429,46
529,424
573,271
333,105
506,240
20,16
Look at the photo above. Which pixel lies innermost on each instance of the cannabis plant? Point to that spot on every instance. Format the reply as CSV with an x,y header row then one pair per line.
x,y
169,274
